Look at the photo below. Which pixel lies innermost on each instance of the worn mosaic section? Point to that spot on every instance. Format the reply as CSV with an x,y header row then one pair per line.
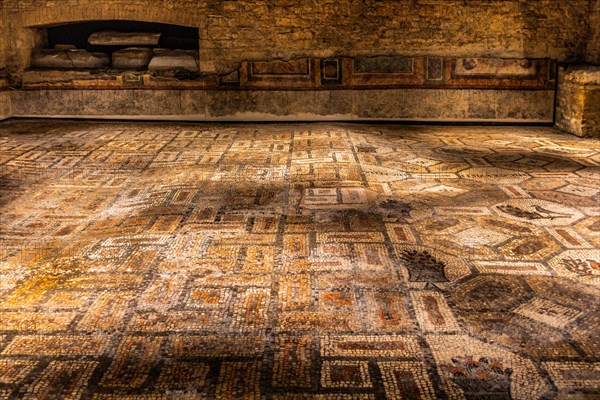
x,y
321,261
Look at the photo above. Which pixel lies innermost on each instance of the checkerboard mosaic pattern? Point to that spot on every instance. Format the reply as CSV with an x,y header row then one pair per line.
x,y
297,261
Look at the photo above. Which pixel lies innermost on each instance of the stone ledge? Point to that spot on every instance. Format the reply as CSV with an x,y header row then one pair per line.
x,y
401,104
585,75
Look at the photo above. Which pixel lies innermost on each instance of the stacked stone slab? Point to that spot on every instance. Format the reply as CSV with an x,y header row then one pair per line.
x,y
142,58
69,59
136,58
114,38
578,101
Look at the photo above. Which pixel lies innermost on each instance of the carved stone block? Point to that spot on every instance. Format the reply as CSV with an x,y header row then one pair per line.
x,y
166,60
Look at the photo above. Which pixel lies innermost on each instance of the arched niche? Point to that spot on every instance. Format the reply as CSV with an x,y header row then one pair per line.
x,y
29,27
116,44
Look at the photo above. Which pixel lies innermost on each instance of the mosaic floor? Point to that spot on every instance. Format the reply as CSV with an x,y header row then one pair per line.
x,y
297,261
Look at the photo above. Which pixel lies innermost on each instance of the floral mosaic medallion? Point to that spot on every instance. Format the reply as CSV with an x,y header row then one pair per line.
x,y
426,268
583,265
538,212
472,369
485,377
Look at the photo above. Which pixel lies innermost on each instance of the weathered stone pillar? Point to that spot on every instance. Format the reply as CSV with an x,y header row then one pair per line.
x,y
578,100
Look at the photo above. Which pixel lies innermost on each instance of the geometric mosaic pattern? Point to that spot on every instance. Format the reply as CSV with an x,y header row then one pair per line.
x,y
297,261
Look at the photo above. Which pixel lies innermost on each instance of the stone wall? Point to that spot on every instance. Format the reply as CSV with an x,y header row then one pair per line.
x,y
593,44
5,101
2,37
233,31
456,60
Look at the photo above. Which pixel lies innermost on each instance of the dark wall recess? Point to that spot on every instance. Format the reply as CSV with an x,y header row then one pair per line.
x,y
173,36
117,45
